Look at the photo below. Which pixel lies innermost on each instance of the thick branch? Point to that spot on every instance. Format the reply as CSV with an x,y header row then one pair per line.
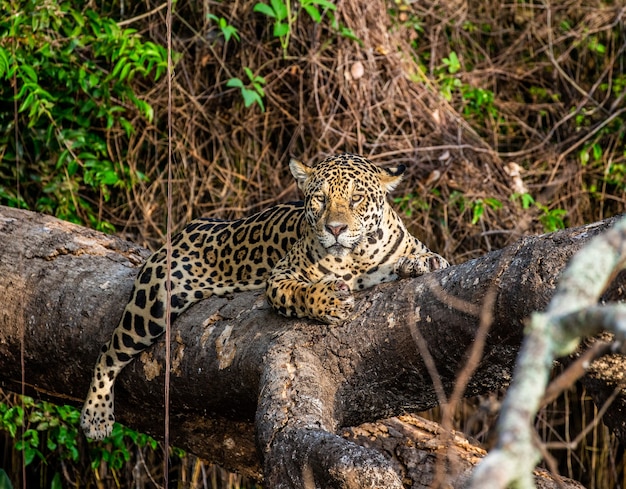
x,y
67,286
571,316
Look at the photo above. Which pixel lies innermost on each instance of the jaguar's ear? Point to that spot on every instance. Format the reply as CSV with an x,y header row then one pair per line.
x,y
391,177
299,171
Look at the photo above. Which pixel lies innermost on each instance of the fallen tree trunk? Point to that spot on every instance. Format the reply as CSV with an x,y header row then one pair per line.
x,y
242,373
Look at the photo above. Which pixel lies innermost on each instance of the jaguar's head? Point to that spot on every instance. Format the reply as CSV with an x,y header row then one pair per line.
x,y
345,199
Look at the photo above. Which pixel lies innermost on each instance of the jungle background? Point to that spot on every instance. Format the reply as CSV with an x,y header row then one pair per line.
x,y
509,115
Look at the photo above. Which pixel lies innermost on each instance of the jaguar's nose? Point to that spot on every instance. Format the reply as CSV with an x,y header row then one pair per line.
x,y
336,229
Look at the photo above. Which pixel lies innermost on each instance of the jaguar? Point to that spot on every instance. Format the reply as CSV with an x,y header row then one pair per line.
x,y
309,256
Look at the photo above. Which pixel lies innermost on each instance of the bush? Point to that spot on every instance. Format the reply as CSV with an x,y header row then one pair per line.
x,y
66,87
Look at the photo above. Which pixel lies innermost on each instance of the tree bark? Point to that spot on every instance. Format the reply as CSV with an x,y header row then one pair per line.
x,y
245,378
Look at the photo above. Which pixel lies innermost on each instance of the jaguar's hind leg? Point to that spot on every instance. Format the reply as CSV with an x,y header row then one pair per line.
x,y
142,323
130,338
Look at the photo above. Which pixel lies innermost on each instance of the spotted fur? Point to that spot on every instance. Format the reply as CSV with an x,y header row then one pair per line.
x,y
310,257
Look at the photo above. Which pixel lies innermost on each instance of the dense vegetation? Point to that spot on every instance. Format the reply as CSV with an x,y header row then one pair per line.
x,y
510,117
67,90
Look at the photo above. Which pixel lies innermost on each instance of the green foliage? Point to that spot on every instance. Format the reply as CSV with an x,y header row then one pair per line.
x,y
227,29
478,207
605,166
44,431
38,427
343,30
312,7
70,75
452,63
252,92
477,103
411,204
551,219
284,15
280,12
5,482
11,418
114,450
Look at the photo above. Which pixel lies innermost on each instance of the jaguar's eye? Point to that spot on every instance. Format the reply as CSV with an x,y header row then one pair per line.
x,y
319,198
356,198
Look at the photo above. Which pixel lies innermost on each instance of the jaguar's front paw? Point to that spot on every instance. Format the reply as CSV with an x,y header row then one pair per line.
x,y
414,266
331,301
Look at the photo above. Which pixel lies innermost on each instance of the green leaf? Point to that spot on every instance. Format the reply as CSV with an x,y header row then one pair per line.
x,y
321,3
495,204
477,211
117,68
29,454
235,83
264,9
527,201
584,157
349,34
250,97
5,482
597,152
129,129
79,19
4,62
259,89
29,73
125,73
28,102
230,31
109,178
280,8
145,108
452,62
313,13
51,444
280,29
72,167
57,482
